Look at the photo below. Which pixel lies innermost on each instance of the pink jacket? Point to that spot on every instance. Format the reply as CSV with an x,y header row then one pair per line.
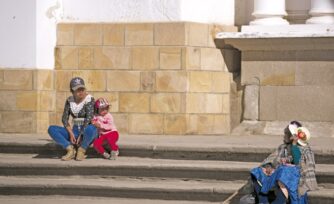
x,y
106,122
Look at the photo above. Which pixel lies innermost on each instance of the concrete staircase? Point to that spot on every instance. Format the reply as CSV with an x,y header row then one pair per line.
x,y
149,169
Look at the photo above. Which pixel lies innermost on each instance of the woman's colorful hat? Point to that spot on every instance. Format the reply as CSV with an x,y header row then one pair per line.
x,y
293,129
303,135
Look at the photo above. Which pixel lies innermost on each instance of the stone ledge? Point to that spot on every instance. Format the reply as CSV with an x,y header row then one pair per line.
x,y
296,29
290,37
275,43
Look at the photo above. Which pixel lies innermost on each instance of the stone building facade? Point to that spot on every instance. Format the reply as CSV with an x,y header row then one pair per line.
x,y
180,77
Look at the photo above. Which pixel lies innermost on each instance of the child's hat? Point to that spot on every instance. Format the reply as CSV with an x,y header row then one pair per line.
x,y
101,103
303,135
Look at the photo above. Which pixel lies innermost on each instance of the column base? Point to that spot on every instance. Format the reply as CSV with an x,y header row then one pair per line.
x,y
297,16
320,20
269,21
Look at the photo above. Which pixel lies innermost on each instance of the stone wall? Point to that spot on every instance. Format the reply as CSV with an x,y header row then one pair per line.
x,y
27,100
294,84
288,74
161,78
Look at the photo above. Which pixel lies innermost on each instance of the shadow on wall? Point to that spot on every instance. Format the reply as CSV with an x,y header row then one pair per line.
x,y
232,59
243,12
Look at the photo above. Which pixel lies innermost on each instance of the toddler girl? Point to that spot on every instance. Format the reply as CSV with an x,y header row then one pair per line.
x,y
107,129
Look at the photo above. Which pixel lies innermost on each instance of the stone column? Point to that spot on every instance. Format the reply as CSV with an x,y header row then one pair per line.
x,y
269,12
297,11
322,12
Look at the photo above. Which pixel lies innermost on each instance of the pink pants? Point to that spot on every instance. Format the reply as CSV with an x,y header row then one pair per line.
x,y
111,138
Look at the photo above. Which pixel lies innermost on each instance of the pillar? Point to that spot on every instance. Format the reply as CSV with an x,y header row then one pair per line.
x,y
322,12
269,12
297,11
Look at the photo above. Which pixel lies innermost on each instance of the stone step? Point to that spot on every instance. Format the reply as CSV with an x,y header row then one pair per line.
x,y
194,160
148,188
130,188
185,148
89,200
323,196
225,154
30,164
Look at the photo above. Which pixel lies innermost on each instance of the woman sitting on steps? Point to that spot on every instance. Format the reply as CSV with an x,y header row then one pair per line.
x,y
81,107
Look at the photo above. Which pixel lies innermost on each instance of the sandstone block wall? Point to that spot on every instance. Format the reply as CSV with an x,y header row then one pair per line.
x,y
161,78
27,100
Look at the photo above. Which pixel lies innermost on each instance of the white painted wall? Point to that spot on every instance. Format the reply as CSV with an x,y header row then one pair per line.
x,y
121,10
48,13
17,33
30,37
208,11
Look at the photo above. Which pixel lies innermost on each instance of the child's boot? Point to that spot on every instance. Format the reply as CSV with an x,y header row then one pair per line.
x,y
114,155
81,155
70,153
106,155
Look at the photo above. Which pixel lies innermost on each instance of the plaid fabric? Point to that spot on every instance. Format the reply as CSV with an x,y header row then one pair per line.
x,y
307,180
283,151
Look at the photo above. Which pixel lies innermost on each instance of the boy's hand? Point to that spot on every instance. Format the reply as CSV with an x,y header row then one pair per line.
x,y
79,140
72,139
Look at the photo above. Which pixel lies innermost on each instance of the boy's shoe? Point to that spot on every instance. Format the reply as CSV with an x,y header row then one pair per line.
x,y
114,155
70,153
81,154
106,155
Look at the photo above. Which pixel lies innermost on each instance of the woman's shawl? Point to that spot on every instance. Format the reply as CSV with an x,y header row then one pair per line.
x,y
283,151
308,180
